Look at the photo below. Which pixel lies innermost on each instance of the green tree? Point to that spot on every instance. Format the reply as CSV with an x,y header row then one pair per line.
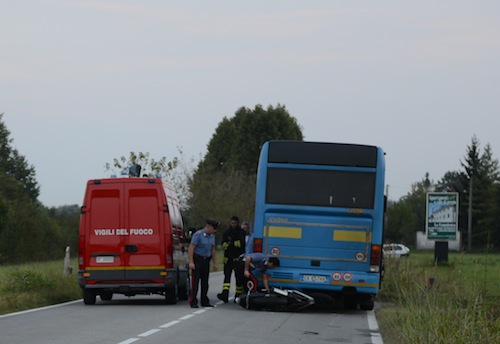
x,y
176,171
482,171
223,184
15,165
457,181
149,166
407,216
452,181
400,223
27,233
237,141
67,218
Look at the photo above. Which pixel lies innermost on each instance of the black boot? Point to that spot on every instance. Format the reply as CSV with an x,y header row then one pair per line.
x,y
224,296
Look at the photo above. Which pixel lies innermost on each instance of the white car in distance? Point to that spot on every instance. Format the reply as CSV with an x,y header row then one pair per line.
x,y
396,250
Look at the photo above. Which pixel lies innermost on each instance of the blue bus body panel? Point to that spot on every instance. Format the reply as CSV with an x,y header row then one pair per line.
x,y
320,252
320,247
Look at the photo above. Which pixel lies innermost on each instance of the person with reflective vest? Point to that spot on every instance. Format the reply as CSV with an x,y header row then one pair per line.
x,y
233,244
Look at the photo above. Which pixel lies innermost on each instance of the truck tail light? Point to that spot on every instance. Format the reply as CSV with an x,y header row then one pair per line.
x,y
81,252
169,258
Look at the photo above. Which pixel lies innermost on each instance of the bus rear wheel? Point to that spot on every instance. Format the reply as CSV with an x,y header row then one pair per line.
x,y
366,303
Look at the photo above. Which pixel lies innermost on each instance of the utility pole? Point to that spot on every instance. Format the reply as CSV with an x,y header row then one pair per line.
x,y
469,222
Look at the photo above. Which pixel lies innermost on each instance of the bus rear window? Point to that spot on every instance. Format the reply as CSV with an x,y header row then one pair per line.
x,y
320,188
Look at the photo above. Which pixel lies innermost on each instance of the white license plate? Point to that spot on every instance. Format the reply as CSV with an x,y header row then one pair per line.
x,y
105,259
314,278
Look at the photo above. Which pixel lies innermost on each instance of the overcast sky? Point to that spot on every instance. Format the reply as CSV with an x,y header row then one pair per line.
x,y
83,82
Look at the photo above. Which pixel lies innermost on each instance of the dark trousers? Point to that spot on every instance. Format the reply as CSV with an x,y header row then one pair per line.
x,y
200,276
249,283
230,266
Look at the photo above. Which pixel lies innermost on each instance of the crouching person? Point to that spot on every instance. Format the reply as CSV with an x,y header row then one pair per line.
x,y
255,262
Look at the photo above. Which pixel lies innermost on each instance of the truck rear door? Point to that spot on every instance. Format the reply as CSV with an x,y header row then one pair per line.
x,y
145,221
104,231
125,229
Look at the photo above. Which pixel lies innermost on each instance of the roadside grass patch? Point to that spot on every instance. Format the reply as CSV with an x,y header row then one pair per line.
x,y
35,285
25,280
456,302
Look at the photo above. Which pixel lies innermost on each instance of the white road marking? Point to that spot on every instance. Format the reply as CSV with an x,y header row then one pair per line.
x,y
373,326
130,340
148,333
40,309
172,323
186,317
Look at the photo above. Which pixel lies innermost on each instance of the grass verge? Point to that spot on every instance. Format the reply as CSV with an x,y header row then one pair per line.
x,y
35,285
454,302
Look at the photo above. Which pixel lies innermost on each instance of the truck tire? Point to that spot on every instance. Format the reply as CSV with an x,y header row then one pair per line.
x,y
89,297
184,288
171,295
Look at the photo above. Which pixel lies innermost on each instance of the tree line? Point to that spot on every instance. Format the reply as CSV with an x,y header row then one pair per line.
x,y
29,231
222,184
477,183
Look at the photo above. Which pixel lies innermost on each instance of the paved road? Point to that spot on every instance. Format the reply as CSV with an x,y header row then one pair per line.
x,y
147,320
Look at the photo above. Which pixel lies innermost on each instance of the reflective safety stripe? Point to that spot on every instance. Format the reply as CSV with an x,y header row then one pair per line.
x,y
285,232
350,235
226,286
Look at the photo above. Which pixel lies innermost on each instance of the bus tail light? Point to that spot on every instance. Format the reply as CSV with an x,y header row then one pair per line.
x,y
257,244
375,258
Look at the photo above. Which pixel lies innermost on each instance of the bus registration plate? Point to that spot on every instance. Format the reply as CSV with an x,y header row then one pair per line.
x,y
314,278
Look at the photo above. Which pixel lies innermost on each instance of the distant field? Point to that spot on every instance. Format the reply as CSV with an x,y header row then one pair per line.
x,y
454,302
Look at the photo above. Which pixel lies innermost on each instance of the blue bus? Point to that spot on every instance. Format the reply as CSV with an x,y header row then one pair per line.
x,y
320,210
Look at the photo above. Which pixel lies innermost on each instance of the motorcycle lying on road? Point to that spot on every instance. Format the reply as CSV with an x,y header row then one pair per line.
x,y
279,300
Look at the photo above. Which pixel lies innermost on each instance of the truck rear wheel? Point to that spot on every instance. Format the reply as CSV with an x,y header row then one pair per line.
x,y
171,295
89,297
184,289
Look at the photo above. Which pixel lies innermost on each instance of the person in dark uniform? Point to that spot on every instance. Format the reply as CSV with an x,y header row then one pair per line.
x,y
233,244
201,251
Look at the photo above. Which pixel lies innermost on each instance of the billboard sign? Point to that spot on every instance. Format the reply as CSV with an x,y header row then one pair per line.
x,y
442,215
